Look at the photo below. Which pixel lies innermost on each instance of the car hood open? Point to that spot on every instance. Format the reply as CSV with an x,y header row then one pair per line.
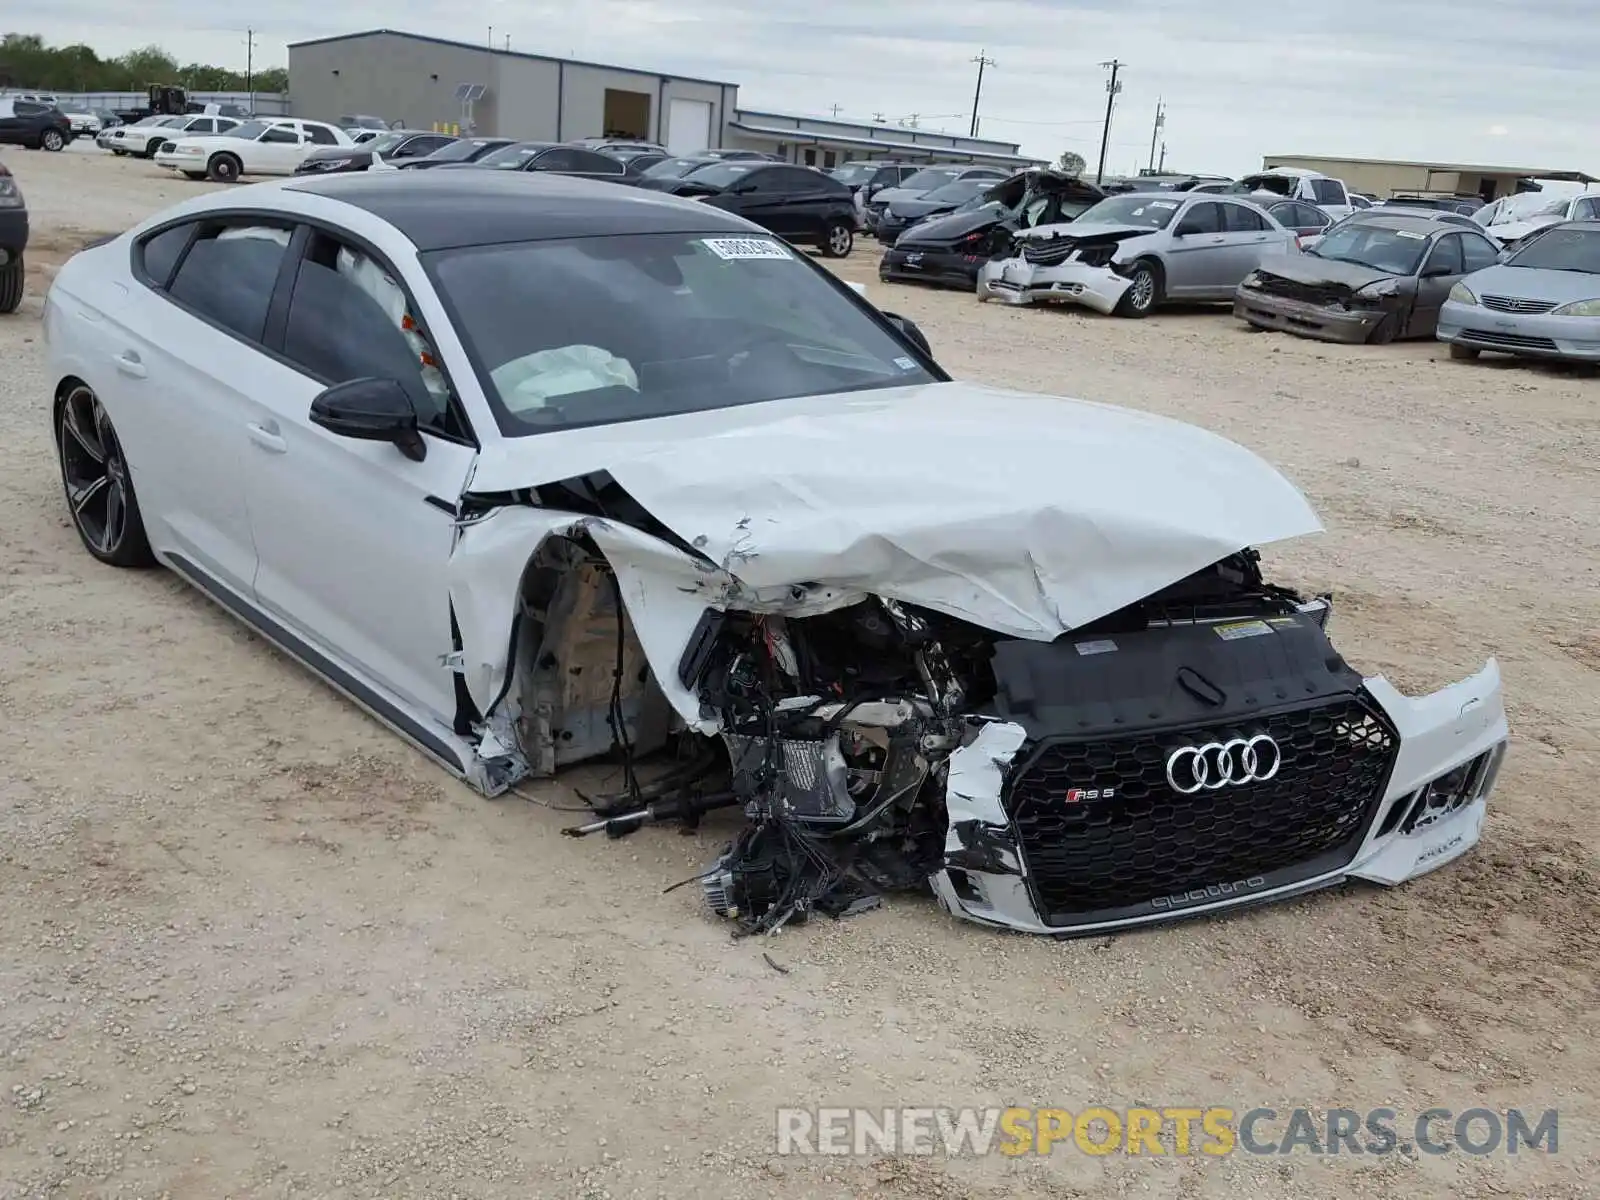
x,y
1030,515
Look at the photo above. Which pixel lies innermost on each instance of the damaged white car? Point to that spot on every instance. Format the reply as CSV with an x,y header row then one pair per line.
x,y
1130,253
600,472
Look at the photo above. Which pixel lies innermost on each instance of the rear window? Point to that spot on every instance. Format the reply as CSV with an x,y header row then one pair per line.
x,y
931,177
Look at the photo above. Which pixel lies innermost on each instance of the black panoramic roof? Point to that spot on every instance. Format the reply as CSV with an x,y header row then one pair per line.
x,y
439,210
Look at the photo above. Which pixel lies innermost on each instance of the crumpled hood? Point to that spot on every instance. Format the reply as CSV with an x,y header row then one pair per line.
x,y
1027,514
1309,268
1078,231
950,227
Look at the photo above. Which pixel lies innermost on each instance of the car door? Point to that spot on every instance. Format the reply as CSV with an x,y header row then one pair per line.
x,y
186,364
352,536
762,195
10,123
278,151
1441,270
1248,234
1197,253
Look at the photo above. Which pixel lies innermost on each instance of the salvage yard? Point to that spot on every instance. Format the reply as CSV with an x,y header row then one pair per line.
x,y
256,946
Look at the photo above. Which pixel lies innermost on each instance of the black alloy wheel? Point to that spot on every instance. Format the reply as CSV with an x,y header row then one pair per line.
x,y
99,488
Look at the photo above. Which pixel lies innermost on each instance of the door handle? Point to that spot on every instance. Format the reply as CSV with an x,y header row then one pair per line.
x,y
1217,241
266,436
128,363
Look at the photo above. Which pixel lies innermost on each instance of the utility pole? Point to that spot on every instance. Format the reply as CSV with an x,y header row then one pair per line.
x,y
1163,165
491,39
508,43
1161,123
1112,88
982,60
835,110
250,68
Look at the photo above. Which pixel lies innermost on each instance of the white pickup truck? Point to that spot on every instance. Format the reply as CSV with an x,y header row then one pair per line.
x,y
1296,183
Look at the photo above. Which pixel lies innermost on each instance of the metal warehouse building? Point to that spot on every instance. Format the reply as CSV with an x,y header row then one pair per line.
x,y
418,82
1383,177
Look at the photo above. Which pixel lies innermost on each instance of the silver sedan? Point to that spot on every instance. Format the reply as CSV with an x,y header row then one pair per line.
x,y
1543,301
1130,253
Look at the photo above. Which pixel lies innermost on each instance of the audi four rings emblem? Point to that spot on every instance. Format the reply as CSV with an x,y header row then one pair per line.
x,y
1191,769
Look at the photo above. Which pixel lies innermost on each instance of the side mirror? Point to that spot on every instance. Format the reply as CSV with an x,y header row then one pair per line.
x,y
1186,228
373,410
914,335
1438,272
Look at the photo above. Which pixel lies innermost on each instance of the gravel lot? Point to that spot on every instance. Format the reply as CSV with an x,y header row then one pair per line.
x,y
254,946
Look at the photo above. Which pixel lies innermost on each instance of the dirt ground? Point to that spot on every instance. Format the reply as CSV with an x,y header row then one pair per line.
x,y
252,945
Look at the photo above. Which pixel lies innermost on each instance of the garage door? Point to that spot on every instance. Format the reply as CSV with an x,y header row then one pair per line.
x,y
688,126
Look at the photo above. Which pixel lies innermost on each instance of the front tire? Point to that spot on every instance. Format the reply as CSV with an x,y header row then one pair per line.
x,y
151,148
1143,294
53,141
224,168
1385,331
98,484
11,276
194,174
838,239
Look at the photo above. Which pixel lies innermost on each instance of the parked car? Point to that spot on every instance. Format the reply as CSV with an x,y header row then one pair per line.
x,y
557,157
362,136
350,122
543,441
921,183
82,122
462,150
902,215
800,204
33,125
1374,278
1306,221
872,176
108,119
1514,219
605,143
1542,301
664,175
950,250
385,149
275,146
635,160
1128,254
146,138
1294,183
1464,205
13,241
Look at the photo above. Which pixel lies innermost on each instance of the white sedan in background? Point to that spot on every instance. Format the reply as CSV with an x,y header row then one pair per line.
x,y
594,466
145,138
274,146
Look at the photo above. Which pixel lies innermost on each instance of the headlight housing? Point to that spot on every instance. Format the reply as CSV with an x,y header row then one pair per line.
x,y
1378,290
10,194
1462,294
1578,308
1251,280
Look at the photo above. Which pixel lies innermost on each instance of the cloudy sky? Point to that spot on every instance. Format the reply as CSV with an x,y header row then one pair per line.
x,y
1446,80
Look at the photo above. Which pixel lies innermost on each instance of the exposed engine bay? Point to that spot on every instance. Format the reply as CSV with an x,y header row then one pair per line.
x,y
840,733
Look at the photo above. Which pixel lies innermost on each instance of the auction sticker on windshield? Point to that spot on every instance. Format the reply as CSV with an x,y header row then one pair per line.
x,y
736,248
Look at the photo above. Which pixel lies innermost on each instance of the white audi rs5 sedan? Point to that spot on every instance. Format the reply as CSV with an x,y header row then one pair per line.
x,y
539,470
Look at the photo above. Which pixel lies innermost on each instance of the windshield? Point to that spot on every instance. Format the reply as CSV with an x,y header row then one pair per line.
x,y
929,178
250,130
597,330
721,174
674,168
960,191
459,151
512,157
1396,251
859,173
1156,212
1561,250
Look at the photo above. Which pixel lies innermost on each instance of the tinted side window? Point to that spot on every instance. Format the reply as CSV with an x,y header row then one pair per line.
x,y
1239,219
203,125
279,134
555,160
595,164
790,179
229,277
321,135
1203,218
1478,252
767,181
27,108
158,255
1446,255
1328,191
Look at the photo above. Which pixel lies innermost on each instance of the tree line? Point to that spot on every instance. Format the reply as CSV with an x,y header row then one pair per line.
x,y
27,62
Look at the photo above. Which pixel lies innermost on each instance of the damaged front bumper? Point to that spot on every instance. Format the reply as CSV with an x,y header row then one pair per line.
x,y
1323,322
1428,812
1017,281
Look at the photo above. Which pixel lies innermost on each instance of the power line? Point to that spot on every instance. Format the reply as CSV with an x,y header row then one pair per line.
x,y
1112,88
982,60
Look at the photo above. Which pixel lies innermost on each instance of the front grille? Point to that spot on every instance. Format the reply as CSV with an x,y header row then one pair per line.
x,y
1048,254
1514,340
1516,304
1294,289
1143,840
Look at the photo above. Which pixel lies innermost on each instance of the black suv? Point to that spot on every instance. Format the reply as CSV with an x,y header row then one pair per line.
x,y
36,126
13,240
870,178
